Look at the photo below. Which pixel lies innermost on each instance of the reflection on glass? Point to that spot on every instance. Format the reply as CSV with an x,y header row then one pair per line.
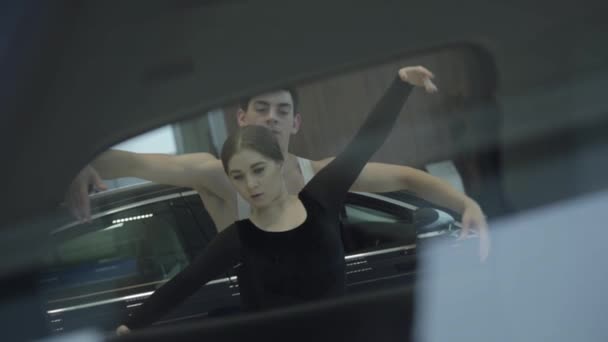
x,y
127,249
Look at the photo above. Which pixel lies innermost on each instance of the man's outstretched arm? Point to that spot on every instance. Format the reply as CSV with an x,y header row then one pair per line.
x,y
178,170
187,170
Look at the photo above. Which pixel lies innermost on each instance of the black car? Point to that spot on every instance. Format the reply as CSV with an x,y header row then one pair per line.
x,y
143,235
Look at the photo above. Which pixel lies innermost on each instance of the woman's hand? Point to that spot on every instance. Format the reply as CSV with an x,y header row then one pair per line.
x,y
474,219
122,330
418,76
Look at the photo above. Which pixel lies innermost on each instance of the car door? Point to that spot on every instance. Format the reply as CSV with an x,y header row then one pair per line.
x,y
98,272
381,233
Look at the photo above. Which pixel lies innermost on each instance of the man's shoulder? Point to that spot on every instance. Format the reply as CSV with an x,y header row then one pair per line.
x,y
213,163
317,165
198,158
203,162
211,177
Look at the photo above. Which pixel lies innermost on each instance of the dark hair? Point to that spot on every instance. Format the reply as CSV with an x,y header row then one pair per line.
x,y
255,138
244,102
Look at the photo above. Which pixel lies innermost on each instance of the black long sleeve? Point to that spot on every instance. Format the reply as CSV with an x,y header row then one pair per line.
x,y
220,255
330,185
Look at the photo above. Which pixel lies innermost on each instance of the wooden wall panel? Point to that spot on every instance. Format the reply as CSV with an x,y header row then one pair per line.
x,y
429,128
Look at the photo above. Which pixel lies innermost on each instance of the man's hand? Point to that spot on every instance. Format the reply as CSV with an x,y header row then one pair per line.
x,y
418,76
122,330
474,219
77,197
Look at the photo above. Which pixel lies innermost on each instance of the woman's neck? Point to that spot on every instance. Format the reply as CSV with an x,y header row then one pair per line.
x,y
269,215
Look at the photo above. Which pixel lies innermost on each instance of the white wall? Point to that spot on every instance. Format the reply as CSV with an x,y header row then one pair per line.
x,y
161,140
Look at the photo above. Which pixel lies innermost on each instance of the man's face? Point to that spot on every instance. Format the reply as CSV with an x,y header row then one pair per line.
x,y
273,110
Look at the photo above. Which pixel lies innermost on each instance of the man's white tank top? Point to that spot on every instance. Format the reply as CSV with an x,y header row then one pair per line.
x,y
243,208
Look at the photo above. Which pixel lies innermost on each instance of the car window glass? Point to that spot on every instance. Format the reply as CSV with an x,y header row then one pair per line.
x,y
358,213
129,248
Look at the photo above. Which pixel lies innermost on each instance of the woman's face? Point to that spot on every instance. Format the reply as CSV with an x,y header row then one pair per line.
x,y
257,179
